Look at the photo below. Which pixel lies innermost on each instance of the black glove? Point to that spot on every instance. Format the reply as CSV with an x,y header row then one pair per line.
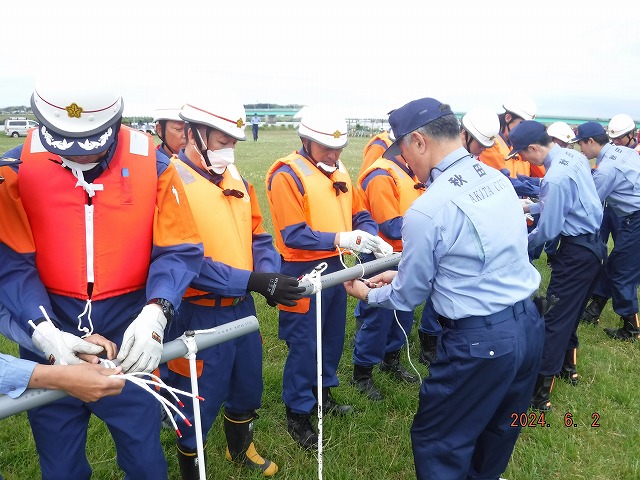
x,y
544,304
276,288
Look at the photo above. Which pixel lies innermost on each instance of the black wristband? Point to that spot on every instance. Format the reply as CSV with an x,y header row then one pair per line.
x,y
166,306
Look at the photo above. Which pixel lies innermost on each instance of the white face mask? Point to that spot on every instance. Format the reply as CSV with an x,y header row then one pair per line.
x,y
78,166
219,160
327,168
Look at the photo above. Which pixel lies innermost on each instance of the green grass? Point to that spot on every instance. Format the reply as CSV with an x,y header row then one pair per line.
x,y
375,441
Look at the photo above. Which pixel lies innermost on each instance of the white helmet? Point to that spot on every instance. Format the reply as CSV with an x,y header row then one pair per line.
x,y
228,118
83,119
167,114
323,127
522,106
482,124
562,131
620,125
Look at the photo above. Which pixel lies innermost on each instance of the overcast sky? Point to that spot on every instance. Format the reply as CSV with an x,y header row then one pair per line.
x,y
575,58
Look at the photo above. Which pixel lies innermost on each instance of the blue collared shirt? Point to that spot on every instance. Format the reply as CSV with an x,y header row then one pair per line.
x,y
569,204
617,178
14,375
464,244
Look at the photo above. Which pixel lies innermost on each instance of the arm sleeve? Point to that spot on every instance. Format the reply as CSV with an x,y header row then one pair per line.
x,y
604,178
265,256
384,205
417,268
15,374
21,290
177,252
361,218
554,203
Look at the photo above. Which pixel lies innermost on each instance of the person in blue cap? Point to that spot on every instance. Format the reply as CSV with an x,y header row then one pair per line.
x,y
480,284
569,206
617,178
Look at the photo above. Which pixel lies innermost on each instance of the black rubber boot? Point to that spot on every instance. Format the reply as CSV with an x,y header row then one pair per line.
x,y
362,380
428,345
300,428
391,365
594,309
569,371
630,330
542,394
238,428
330,405
188,463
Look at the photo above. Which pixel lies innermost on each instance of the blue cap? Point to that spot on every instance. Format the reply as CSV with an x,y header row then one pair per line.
x,y
523,135
587,130
410,117
4,161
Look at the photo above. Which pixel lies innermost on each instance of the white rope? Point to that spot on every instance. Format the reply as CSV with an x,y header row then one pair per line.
x,y
87,309
314,278
406,340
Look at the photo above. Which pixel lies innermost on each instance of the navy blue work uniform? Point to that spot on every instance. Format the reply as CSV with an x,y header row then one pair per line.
x,y
570,207
480,284
617,181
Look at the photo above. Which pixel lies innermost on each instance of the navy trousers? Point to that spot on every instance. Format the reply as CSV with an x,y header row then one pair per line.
x,y
482,376
623,266
573,278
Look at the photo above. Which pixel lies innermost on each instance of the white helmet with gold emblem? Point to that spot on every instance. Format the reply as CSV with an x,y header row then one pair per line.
x,y
229,118
82,119
324,127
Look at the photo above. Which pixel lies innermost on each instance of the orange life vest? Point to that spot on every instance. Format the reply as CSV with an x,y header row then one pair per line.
x,y
496,157
108,242
224,222
323,210
407,193
373,150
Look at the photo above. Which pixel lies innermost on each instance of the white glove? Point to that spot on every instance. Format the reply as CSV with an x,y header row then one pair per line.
x,y
383,249
142,341
61,348
358,241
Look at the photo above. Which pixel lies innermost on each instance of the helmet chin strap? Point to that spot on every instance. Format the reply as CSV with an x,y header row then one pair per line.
x,y
201,146
163,124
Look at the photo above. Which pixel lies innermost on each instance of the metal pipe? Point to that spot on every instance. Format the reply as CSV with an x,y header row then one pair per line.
x,y
32,398
360,270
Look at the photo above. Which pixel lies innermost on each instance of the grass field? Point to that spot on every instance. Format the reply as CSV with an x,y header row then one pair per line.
x,y
601,440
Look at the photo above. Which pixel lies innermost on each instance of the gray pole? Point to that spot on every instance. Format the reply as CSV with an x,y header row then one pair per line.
x,y
361,270
32,398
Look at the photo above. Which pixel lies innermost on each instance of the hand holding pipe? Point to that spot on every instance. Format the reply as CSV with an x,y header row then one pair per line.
x,y
360,270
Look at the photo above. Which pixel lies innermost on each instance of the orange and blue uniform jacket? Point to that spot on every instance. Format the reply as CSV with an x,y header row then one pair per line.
x,y
388,188
374,149
60,246
311,207
227,214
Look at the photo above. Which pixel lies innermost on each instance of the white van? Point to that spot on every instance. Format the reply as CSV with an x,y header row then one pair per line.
x,y
18,126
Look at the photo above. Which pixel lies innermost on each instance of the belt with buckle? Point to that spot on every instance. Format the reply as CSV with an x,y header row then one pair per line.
x,y
217,302
483,321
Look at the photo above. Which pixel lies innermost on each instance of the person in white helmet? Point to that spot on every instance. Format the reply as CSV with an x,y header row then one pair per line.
x,y
170,129
561,134
516,109
99,240
316,212
239,258
480,128
622,131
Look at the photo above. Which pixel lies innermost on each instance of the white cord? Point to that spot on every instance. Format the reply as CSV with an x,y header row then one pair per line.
x,y
87,309
157,382
406,339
